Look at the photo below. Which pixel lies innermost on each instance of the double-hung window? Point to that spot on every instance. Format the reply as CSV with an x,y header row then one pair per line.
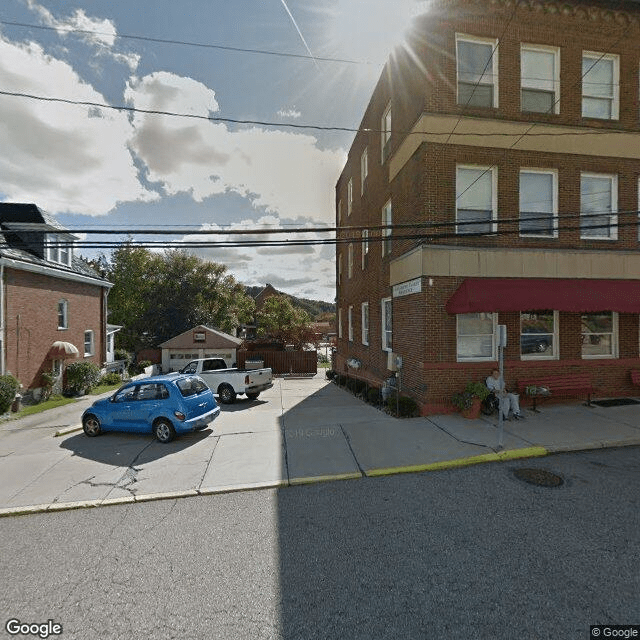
x,y
89,349
477,69
476,336
59,248
598,206
339,208
387,325
365,323
364,169
339,323
350,262
63,314
349,196
350,321
538,203
600,85
539,335
365,247
385,135
540,79
386,233
600,335
475,200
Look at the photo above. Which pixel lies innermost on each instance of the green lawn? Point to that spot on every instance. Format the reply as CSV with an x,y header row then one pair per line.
x,y
51,403
104,388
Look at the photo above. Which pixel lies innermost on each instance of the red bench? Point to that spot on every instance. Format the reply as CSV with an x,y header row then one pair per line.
x,y
573,384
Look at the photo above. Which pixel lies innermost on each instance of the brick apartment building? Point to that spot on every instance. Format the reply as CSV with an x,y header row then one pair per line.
x,y
47,295
502,144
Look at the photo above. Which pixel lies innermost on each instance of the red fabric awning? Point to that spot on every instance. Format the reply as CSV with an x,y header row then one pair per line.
x,y
531,294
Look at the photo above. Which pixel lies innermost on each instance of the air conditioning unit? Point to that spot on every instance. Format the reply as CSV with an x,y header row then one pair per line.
x,y
394,361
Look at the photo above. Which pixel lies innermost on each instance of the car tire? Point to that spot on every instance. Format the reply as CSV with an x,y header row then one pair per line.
x,y
163,430
91,426
253,396
226,394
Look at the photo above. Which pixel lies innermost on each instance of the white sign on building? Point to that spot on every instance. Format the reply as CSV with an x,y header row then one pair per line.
x,y
407,288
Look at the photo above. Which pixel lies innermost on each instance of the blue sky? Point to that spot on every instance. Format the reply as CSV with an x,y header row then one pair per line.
x,y
106,168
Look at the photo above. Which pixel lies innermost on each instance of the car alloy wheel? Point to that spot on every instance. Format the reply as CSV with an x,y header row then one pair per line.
x,y
164,431
227,394
91,426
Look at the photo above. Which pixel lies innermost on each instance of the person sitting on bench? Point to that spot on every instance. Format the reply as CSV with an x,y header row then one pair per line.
x,y
509,401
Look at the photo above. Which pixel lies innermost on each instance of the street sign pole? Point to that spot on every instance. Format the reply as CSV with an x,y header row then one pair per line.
x,y
502,343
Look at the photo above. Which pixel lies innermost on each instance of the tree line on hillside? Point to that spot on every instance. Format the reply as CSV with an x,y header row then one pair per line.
x,y
158,295
316,309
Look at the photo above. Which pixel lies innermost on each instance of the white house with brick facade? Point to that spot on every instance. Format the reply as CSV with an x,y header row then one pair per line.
x,y
52,304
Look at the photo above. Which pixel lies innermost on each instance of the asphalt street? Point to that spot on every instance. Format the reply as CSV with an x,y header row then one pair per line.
x,y
460,553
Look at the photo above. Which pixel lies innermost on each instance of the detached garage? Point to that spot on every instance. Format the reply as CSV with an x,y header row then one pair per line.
x,y
199,342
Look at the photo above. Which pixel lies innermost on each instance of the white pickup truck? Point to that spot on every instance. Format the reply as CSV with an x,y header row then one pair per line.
x,y
228,383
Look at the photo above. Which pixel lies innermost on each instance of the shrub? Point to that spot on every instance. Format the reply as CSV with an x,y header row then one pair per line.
x,y
340,379
47,380
9,386
407,407
330,374
111,378
82,376
359,387
142,365
374,396
123,354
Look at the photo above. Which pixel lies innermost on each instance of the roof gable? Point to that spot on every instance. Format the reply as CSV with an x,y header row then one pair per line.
x,y
213,339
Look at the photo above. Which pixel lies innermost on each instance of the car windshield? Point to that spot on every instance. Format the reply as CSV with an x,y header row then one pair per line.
x,y
191,386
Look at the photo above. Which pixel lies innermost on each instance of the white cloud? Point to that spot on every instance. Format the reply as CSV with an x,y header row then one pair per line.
x,y
62,157
287,173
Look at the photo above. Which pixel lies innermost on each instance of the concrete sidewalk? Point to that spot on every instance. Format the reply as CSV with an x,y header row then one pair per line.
x,y
300,431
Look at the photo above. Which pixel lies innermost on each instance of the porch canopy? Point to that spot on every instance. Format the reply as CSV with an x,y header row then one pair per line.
x,y
60,349
530,294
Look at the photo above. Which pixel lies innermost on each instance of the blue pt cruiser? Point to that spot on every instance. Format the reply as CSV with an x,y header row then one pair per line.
x,y
162,405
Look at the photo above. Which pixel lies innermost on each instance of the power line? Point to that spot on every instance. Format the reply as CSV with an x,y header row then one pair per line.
x,y
187,43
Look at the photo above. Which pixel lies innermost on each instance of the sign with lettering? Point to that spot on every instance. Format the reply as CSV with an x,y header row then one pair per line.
x,y
407,288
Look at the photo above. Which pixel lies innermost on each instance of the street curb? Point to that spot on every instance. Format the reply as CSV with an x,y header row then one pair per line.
x,y
590,446
66,430
353,475
512,454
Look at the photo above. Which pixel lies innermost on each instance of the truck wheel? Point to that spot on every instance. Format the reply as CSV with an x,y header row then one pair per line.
x,y
253,396
226,394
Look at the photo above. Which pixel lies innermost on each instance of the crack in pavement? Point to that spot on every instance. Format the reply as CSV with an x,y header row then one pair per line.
x,y
208,463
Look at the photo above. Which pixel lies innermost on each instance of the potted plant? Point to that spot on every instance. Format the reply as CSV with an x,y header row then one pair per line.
x,y
468,402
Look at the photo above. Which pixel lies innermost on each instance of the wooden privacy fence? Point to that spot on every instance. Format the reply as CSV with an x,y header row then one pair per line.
x,y
281,362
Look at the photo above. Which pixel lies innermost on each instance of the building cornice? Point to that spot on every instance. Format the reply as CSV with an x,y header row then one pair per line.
x,y
52,272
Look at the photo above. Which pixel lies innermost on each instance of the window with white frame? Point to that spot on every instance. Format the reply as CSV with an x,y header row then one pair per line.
x,y
539,335
598,206
600,335
350,323
63,314
385,128
540,78
365,247
365,323
539,203
387,324
477,68
600,85
59,249
339,210
339,323
476,336
364,169
387,220
340,269
350,261
89,348
476,202
349,196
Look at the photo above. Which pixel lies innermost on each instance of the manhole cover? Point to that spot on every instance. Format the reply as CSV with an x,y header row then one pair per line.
x,y
538,477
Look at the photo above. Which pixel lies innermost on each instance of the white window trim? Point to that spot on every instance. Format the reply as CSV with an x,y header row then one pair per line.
x,y
494,342
365,247
494,193
54,251
340,269
556,72
93,344
65,304
493,72
615,98
385,134
365,323
350,322
554,173
350,262
339,210
364,169
615,342
555,352
613,223
383,325
386,233
349,196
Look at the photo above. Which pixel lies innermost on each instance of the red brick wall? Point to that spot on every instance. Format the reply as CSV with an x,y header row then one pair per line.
x,y
31,317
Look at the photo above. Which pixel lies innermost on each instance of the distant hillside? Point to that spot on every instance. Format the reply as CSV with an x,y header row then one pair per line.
x,y
314,308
